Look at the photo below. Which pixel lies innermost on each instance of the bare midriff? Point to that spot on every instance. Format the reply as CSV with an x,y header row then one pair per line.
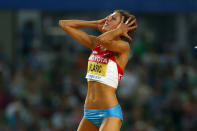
x,y
100,96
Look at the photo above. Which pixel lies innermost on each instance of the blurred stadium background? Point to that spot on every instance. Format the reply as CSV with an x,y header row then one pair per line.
x,y
42,70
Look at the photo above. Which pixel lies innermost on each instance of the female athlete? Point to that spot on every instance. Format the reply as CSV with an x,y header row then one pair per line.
x,y
106,65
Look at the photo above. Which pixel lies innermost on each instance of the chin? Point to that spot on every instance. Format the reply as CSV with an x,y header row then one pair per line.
x,y
106,29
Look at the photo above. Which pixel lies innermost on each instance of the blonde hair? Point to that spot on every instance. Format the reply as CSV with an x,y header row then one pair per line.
x,y
126,17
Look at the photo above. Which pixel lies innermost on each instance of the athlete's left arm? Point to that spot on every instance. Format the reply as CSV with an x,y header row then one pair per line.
x,y
118,46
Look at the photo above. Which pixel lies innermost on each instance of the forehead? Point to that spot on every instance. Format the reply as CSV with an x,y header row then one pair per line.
x,y
115,14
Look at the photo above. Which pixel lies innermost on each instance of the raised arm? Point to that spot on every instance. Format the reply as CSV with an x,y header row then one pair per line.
x,y
78,23
109,39
71,27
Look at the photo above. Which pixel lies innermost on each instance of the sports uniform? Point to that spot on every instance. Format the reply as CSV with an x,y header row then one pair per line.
x,y
103,68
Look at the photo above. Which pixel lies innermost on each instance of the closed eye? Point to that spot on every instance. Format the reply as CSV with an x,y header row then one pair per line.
x,y
113,18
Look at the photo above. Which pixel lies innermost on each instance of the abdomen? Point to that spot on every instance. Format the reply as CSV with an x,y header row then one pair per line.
x,y
100,96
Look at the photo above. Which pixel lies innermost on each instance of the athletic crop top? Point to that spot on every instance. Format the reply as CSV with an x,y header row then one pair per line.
x,y
103,67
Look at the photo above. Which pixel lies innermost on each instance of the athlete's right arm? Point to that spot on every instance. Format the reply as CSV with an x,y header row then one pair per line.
x,y
71,28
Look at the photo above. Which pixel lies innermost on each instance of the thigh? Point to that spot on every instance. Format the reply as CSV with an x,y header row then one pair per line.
x,y
111,124
85,125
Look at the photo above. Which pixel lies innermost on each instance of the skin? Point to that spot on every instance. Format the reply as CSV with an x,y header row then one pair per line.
x,y
101,96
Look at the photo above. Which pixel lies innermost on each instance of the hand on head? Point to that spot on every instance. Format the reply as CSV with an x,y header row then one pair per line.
x,y
129,25
100,24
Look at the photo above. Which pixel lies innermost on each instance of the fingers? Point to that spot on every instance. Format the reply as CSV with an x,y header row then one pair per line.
x,y
128,20
132,22
128,37
103,20
122,20
133,27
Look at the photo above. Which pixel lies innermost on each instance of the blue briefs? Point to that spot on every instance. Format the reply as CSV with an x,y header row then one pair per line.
x,y
96,116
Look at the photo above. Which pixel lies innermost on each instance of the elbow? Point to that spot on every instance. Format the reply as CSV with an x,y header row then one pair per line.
x,y
63,23
60,23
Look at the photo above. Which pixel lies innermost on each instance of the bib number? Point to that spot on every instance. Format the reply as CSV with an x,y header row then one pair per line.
x,y
97,68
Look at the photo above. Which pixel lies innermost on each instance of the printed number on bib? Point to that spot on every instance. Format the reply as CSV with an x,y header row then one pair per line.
x,y
97,68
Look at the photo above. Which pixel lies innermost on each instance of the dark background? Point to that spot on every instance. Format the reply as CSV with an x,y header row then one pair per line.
x,y
42,70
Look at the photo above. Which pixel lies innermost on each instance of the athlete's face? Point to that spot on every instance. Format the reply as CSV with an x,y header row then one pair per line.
x,y
113,20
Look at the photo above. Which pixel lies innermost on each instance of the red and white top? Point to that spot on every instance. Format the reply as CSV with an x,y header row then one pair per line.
x,y
103,67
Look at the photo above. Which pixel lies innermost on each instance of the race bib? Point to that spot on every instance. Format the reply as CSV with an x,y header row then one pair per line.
x,y
97,68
